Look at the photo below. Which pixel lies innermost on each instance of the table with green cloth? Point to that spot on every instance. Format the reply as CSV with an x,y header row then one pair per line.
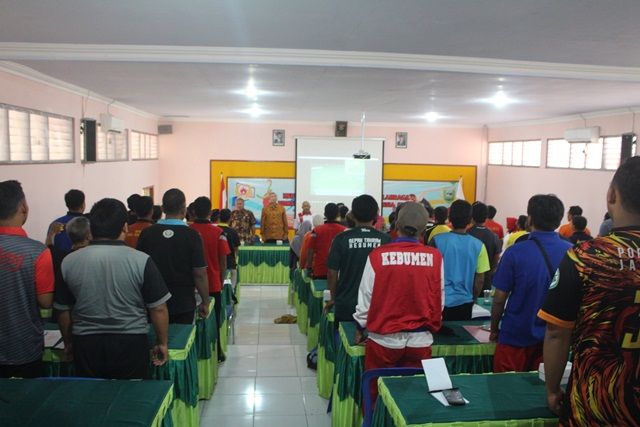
x,y
207,346
263,264
181,368
509,400
462,354
302,286
315,307
326,355
82,403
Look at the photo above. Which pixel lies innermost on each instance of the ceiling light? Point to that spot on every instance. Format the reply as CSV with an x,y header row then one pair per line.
x,y
251,90
499,100
255,111
432,116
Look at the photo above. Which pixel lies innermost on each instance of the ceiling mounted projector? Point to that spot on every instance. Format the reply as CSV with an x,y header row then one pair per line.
x,y
362,155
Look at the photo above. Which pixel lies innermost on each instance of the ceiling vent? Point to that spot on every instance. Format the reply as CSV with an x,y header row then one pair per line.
x,y
165,129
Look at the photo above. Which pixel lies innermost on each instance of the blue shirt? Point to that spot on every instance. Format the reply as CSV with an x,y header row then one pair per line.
x,y
463,256
523,273
61,240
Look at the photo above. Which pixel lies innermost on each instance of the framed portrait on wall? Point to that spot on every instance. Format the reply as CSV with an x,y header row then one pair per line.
x,y
401,139
341,128
278,137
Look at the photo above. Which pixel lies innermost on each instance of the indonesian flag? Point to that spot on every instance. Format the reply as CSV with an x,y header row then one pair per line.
x,y
459,191
223,192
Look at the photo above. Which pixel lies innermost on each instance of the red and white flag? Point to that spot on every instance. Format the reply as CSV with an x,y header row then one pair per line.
x,y
223,192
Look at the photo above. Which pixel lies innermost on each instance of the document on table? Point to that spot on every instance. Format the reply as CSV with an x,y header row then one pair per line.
x,y
51,338
479,312
437,376
480,333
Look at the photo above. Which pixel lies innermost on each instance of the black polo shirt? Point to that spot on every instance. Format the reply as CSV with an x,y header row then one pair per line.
x,y
177,250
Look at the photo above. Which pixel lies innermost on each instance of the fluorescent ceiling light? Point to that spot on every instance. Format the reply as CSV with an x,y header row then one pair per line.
x,y
499,100
251,90
432,116
255,111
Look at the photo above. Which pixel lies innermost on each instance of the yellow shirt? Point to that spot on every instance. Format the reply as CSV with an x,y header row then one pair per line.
x,y
438,229
511,238
273,224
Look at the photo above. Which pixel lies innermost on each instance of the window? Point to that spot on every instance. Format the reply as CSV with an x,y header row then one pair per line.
x,y
603,154
517,153
28,136
110,146
143,145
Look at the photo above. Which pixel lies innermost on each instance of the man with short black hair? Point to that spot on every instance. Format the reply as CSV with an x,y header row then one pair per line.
x,y
493,225
568,229
132,204
26,284
103,301
144,214
216,250
179,254
593,307
523,276
580,235
74,199
320,241
440,214
233,240
480,231
348,256
465,262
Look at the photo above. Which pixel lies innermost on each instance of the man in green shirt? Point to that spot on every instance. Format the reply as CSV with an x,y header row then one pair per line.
x,y
348,256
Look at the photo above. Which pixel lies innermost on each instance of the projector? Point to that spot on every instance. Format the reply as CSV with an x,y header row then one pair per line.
x,y
362,155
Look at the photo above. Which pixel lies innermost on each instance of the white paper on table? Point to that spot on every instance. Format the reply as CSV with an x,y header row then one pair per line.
x,y
436,374
479,333
479,311
51,338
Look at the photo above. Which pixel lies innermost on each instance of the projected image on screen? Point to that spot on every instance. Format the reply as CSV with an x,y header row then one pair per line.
x,y
342,178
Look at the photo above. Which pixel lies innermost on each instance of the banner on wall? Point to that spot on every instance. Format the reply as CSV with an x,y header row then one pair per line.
x,y
438,193
256,192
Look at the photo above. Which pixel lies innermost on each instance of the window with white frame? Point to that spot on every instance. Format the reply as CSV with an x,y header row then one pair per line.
x,y
28,136
144,146
601,154
110,146
515,153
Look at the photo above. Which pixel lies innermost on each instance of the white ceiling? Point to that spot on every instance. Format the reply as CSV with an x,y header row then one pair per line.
x,y
589,33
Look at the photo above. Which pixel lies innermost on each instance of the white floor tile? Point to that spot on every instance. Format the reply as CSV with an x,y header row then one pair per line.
x,y
229,404
235,385
277,367
279,404
309,385
278,385
314,404
280,421
220,420
275,351
319,420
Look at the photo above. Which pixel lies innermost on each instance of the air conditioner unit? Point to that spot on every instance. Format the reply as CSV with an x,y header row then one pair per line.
x,y
110,123
582,135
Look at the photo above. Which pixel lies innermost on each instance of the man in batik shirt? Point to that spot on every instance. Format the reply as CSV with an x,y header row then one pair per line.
x,y
243,222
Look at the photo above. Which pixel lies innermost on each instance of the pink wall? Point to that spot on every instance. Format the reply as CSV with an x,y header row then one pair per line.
x,y
46,184
188,169
509,188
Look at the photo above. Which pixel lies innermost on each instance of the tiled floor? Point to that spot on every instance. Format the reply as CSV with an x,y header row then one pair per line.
x,y
265,380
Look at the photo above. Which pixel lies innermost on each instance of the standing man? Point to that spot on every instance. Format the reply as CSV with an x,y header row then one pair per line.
x,y
348,255
400,298
568,229
523,276
74,199
303,216
320,242
465,262
178,252
593,306
480,231
233,240
103,300
440,214
144,219
243,221
26,284
216,250
493,225
273,224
